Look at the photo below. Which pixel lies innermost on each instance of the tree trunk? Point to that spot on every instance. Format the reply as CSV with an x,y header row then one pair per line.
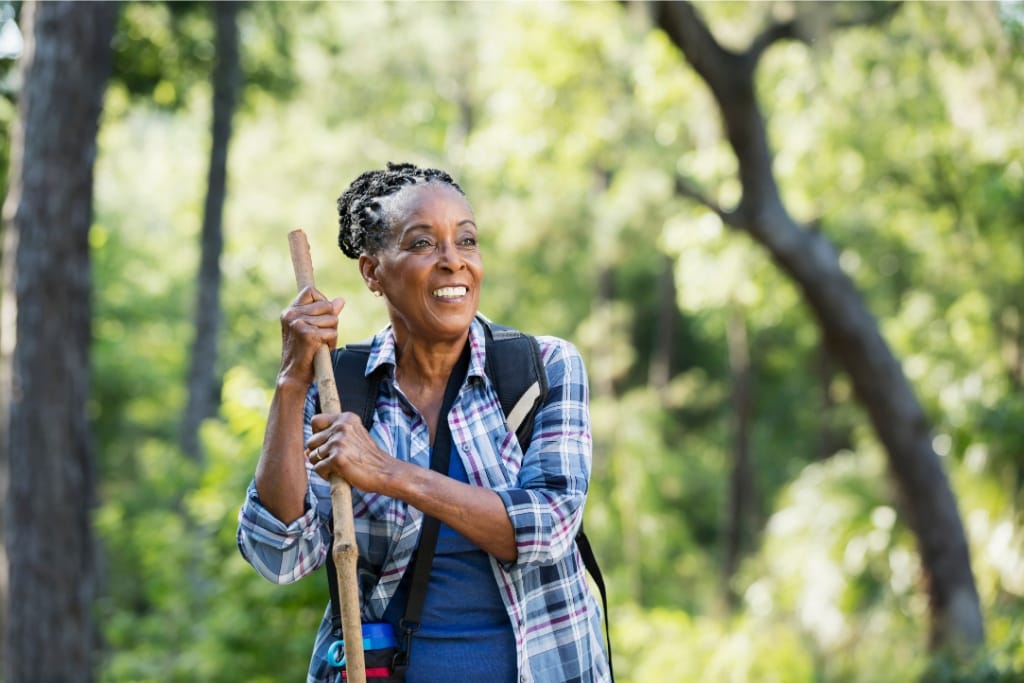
x,y
203,381
460,93
660,370
603,382
1011,332
849,329
739,520
46,265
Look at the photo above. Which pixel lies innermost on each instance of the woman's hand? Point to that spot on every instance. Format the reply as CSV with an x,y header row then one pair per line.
x,y
341,445
309,322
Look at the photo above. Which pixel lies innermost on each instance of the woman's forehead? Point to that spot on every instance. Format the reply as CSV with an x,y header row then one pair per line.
x,y
429,198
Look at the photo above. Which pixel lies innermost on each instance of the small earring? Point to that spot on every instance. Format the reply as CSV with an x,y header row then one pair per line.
x,y
378,293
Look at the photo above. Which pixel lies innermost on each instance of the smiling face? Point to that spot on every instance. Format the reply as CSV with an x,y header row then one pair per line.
x,y
431,270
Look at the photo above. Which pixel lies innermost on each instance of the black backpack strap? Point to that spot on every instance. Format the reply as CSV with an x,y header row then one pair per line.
x,y
590,562
517,372
356,390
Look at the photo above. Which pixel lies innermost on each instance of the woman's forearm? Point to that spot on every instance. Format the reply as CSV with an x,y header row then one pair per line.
x,y
281,479
475,512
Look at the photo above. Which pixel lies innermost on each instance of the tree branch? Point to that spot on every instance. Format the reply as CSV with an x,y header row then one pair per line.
x,y
785,30
869,14
730,77
685,188
687,31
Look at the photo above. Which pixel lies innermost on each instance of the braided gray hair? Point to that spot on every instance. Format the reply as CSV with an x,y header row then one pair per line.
x,y
363,220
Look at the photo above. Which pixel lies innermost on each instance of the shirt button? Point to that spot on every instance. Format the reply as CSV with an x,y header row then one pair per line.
x,y
465,448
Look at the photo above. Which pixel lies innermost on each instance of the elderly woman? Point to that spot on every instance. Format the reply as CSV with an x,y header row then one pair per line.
x,y
507,598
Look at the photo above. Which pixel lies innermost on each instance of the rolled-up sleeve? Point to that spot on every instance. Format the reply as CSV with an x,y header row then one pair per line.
x,y
282,553
546,507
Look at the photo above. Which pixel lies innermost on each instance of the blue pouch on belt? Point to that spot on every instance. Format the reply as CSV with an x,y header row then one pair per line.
x,y
379,650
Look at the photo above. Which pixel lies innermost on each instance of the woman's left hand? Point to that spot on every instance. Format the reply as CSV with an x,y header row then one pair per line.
x,y
341,445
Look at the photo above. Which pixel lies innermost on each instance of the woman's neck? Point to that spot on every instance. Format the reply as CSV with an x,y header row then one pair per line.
x,y
422,371
426,364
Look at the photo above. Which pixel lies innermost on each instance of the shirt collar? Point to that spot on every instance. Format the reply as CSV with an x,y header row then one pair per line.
x,y
382,350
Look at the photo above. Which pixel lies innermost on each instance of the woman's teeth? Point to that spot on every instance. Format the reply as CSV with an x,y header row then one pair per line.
x,y
450,292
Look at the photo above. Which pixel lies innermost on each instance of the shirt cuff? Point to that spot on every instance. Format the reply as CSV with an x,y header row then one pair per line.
x,y
263,528
544,529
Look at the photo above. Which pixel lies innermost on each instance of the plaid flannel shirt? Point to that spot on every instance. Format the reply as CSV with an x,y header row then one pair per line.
x,y
554,615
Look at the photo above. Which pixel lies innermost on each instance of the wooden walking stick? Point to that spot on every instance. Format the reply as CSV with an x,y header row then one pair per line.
x,y
346,553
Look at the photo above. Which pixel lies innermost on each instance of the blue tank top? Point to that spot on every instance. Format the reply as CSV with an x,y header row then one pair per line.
x,y
465,633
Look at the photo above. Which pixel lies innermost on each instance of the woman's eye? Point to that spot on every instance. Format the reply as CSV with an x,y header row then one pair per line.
x,y
467,242
420,244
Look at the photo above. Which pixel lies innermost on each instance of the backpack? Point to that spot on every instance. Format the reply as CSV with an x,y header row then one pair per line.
x,y
516,371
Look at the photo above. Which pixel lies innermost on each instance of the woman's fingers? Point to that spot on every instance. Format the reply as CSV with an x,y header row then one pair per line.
x,y
325,428
308,305
317,454
341,445
324,423
312,309
308,295
308,323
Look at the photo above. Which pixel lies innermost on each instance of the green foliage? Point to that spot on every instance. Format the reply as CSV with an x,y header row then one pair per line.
x,y
566,123
164,50
1002,662
664,644
188,565
161,50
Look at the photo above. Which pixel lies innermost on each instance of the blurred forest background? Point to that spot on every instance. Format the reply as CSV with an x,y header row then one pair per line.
x,y
807,366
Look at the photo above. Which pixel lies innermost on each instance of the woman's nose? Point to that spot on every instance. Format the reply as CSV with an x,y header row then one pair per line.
x,y
448,256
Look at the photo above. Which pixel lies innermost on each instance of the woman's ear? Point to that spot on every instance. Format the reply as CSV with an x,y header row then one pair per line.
x,y
368,267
